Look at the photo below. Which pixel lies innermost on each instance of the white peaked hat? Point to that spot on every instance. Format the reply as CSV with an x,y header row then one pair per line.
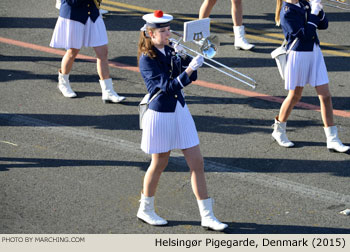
x,y
157,19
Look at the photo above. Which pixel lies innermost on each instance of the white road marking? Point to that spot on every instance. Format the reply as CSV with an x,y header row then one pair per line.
x,y
6,142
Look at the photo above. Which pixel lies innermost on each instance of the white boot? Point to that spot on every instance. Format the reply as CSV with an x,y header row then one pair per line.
x,y
108,93
279,134
147,214
333,142
240,41
64,86
209,221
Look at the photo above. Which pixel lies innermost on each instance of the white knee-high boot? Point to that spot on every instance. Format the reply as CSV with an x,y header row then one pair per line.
x,y
64,86
279,134
108,93
208,220
147,214
333,142
240,41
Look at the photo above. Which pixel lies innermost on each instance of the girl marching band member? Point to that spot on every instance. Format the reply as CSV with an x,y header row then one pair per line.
x,y
168,124
80,24
305,64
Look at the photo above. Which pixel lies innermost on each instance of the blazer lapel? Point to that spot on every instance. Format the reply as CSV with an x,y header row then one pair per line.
x,y
297,8
162,58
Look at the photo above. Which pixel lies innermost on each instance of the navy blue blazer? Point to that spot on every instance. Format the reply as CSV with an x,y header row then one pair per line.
x,y
79,10
165,72
295,23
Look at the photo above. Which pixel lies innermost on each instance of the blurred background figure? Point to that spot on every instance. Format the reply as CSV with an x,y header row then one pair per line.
x,y
237,19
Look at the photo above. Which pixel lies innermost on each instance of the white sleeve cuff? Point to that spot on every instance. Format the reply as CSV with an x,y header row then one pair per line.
x,y
178,79
312,24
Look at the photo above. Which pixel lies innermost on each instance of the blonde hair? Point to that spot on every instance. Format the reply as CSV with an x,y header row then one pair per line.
x,y
145,45
278,11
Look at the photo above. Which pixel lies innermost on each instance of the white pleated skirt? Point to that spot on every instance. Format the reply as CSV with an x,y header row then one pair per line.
x,y
73,34
305,68
163,132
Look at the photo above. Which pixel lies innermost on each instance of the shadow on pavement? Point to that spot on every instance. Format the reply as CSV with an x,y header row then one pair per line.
x,y
252,228
55,163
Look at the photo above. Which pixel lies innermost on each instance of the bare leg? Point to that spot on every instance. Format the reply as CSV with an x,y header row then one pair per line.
x,y
206,8
195,161
108,93
102,61
157,166
68,60
326,105
289,103
237,12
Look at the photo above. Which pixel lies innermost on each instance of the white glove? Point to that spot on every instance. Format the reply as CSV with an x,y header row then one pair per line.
x,y
179,49
196,62
316,6
58,4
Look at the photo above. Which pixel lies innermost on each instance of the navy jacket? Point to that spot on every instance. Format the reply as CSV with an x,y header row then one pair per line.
x,y
295,23
165,72
79,10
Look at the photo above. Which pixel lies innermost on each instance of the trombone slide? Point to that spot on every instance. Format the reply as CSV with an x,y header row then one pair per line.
x,y
252,85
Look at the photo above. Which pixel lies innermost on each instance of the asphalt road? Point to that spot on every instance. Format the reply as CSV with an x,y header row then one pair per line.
x,y
75,165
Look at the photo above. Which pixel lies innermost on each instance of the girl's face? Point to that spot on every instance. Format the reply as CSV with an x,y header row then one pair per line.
x,y
160,36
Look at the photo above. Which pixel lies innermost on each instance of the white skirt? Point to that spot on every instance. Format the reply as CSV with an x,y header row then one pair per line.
x,y
73,34
163,132
305,68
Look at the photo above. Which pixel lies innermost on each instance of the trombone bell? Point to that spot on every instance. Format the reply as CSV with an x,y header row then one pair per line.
x,y
207,47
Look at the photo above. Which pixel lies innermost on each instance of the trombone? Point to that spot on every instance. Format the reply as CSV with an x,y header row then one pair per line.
x,y
208,50
339,4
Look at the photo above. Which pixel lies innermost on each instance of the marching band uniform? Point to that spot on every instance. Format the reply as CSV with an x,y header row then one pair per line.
x,y
305,62
80,24
168,124
305,58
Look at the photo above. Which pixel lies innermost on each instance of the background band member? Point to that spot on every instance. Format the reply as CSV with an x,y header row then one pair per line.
x,y
305,64
80,24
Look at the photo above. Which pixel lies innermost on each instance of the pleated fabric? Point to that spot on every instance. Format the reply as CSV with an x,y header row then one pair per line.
x,y
163,132
305,68
73,34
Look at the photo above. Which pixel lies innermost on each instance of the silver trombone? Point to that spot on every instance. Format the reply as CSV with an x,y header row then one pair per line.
x,y
339,4
208,50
